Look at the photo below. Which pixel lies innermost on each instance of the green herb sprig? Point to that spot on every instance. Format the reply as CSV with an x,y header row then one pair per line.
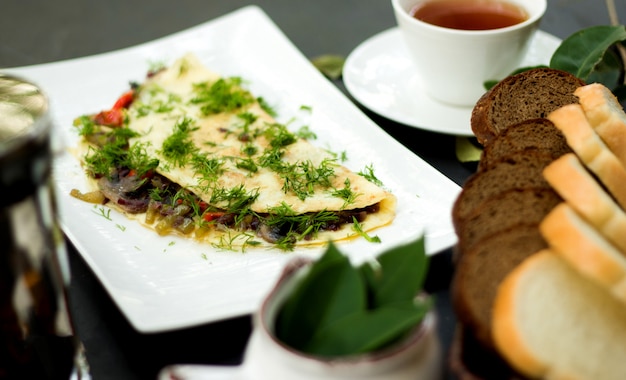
x,y
178,147
341,310
299,225
223,95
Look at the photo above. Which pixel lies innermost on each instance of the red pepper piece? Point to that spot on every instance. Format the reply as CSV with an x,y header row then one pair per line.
x,y
111,118
148,174
210,216
125,100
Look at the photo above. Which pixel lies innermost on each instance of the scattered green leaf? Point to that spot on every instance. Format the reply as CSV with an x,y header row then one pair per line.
x,y
466,150
104,212
330,65
581,52
492,82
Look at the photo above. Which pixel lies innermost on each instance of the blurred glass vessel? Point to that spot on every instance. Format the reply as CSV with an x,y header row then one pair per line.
x,y
37,340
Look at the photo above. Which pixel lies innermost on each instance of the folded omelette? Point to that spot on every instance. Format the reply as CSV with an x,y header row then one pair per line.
x,y
192,153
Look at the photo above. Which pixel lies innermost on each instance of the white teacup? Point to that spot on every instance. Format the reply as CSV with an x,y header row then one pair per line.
x,y
453,64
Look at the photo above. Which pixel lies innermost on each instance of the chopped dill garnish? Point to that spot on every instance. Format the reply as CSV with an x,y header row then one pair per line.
x,y
368,174
266,107
184,198
247,164
155,66
207,169
85,124
234,200
223,95
114,153
343,156
227,242
306,133
103,212
279,136
141,109
156,103
160,194
297,226
183,68
248,119
302,178
346,194
160,106
249,149
357,227
273,159
178,147
139,160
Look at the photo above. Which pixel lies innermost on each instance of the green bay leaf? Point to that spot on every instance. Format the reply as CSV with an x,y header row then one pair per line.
x,y
399,275
331,65
581,52
366,331
608,71
331,290
466,151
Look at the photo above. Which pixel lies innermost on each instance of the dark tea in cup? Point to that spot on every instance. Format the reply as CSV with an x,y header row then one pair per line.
x,y
454,61
470,14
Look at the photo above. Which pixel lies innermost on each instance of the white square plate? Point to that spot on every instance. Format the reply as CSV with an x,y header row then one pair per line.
x,y
164,283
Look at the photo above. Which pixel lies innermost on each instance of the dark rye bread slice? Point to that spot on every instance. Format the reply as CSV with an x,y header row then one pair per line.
x,y
510,208
530,94
521,170
533,134
480,271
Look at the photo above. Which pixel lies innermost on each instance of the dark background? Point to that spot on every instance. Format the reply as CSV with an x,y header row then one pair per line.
x,y
39,31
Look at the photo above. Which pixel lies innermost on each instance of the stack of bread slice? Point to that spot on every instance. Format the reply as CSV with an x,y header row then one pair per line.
x,y
497,213
545,206
562,312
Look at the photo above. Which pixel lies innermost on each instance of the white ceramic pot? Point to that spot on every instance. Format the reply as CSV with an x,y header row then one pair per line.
x,y
416,357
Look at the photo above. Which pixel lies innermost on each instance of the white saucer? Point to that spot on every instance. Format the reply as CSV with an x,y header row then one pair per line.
x,y
380,76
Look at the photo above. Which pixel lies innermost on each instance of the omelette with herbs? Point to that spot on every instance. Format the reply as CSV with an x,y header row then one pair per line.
x,y
192,153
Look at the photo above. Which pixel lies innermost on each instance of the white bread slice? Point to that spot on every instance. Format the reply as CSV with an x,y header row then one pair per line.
x,y
585,249
591,150
550,322
606,116
571,180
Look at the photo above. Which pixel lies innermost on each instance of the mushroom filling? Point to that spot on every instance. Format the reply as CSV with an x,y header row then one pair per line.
x,y
168,207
